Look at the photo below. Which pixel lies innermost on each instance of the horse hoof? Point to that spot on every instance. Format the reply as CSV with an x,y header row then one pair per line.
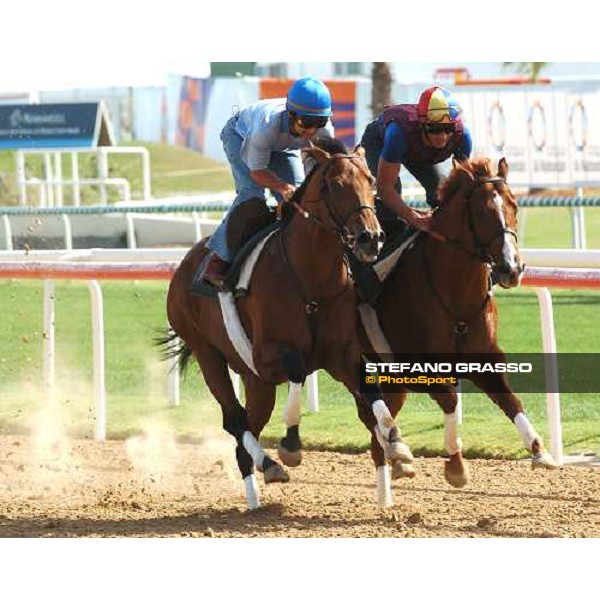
x,y
289,458
402,470
543,460
401,452
275,474
456,478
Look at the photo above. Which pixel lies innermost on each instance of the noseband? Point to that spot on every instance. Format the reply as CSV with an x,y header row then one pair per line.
x,y
482,252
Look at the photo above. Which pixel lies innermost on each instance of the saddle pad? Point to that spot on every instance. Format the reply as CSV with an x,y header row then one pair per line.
x,y
242,263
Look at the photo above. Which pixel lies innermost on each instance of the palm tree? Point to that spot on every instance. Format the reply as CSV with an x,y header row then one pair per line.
x,y
530,69
381,90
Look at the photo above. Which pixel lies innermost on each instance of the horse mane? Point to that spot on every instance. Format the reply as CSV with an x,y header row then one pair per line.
x,y
329,145
478,167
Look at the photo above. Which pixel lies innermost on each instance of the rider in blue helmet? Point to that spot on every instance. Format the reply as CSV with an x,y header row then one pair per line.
x,y
309,97
262,143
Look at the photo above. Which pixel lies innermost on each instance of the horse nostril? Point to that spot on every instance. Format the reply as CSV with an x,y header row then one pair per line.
x,y
364,238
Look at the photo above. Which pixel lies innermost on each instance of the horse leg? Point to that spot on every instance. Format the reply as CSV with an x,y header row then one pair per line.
x,y
260,401
496,386
385,498
386,430
402,468
289,448
456,470
375,414
235,421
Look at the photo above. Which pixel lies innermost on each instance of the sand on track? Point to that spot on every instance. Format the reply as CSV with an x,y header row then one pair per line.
x,y
152,487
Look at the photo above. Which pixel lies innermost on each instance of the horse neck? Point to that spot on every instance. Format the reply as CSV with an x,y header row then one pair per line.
x,y
459,274
315,253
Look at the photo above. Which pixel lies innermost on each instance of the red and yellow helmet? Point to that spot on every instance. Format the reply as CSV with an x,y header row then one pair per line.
x,y
436,105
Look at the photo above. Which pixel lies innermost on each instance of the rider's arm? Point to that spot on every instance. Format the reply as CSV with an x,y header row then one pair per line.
x,y
387,176
266,178
392,154
257,155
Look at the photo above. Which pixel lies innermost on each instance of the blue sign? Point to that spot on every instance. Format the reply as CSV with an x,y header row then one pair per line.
x,y
82,125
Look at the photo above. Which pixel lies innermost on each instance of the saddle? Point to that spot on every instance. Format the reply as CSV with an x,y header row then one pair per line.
x,y
249,224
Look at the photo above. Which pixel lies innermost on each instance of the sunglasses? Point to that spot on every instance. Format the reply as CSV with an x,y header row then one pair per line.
x,y
441,128
311,122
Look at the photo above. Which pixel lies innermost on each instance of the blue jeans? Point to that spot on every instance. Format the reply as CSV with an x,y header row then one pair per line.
x,y
286,164
429,176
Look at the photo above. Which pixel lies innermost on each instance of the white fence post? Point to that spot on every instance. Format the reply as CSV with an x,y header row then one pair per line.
x,y
75,179
99,359
551,366
103,174
49,179
7,232
58,183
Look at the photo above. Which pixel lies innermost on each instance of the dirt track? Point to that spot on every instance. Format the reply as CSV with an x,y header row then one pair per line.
x,y
144,488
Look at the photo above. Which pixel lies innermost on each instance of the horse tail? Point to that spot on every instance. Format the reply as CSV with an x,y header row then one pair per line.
x,y
172,346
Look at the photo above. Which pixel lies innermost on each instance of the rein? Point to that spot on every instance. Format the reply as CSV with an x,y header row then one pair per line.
x,y
339,229
482,254
461,324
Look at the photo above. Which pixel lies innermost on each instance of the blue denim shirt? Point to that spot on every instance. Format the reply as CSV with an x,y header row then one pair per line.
x,y
264,127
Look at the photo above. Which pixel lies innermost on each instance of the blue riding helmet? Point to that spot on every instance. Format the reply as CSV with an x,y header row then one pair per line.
x,y
309,97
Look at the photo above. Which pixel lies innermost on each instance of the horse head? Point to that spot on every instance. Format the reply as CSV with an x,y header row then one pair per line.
x,y
341,198
486,210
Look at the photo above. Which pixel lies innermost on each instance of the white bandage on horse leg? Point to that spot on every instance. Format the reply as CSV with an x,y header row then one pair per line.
x,y
252,496
528,433
452,442
291,412
253,448
384,487
384,419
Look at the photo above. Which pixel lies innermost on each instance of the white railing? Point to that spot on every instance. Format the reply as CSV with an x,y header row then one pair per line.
x,y
541,278
51,186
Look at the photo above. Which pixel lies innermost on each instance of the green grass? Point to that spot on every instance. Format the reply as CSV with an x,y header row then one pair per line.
x,y
174,170
551,227
136,380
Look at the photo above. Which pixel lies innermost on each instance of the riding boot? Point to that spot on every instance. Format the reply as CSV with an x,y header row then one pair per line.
x,y
216,270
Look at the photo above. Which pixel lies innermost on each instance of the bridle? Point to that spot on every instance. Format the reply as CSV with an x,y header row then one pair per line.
x,y
481,247
339,229
339,226
460,323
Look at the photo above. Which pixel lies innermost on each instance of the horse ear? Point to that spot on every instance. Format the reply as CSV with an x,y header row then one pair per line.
x,y
359,150
458,165
316,153
503,168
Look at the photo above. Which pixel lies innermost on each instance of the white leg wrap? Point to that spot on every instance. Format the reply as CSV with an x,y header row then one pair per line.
x,y
384,419
452,442
291,412
252,496
384,487
528,433
253,448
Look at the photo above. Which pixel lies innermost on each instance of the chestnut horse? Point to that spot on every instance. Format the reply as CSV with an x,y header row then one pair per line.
x,y
438,300
300,314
